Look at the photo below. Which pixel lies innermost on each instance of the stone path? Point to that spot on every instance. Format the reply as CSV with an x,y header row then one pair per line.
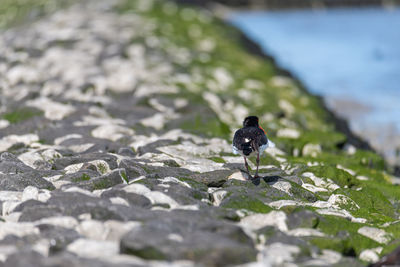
x,y
97,170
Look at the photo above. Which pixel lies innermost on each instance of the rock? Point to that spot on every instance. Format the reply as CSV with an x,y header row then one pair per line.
x,y
152,147
178,190
61,163
10,164
311,150
75,204
60,237
19,181
172,238
42,165
28,203
132,168
115,177
375,234
17,229
213,178
65,259
126,151
28,258
302,219
36,211
80,175
93,248
132,198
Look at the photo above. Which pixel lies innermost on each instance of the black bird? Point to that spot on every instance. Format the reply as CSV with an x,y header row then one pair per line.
x,y
250,139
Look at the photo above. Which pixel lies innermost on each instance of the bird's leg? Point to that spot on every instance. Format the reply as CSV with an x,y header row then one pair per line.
x,y
258,163
247,166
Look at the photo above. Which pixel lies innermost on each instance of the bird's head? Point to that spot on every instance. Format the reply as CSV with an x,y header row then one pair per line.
x,y
250,121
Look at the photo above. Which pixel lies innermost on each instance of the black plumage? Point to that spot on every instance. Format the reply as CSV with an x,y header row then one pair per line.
x,y
250,139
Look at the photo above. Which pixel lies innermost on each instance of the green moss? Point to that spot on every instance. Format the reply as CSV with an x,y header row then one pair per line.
x,y
390,247
102,168
347,230
302,194
246,202
102,183
171,163
206,126
21,114
13,11
124,176
217,159
374,206
149,252
339,176
84,177
194,184
341,245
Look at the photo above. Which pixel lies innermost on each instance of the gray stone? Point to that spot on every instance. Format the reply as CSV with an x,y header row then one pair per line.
x,y
74,204
135,169
18,182
80,176
61,163
181,193
115,177
42,165
302,219
37,212
31,258
60,237
195,238
132,168
10,164
152,147
28,203
132,198
213,178
126,151
24,258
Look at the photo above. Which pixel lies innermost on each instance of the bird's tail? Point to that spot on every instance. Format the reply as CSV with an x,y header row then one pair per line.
x,y
247,150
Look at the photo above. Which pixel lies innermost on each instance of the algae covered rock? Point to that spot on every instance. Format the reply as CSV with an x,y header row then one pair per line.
x,y
115,150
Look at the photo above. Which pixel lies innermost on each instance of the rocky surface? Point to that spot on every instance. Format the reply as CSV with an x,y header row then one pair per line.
x,y
116,119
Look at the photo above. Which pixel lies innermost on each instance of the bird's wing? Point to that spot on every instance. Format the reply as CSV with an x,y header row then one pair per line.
x,y
239,139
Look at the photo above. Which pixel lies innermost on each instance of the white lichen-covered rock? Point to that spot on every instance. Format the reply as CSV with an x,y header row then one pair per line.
x,y
376,234
370,255
273,218
19,229
94,248
311,150
286,106
218,196
277,254
320,184
111,132
52,110
288,133
10,140
4,124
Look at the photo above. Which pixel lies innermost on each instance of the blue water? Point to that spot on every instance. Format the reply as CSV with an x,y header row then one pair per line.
x,y
351,54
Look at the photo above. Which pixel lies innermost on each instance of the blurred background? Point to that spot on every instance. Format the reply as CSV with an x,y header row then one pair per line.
x,y
17,11
345,51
